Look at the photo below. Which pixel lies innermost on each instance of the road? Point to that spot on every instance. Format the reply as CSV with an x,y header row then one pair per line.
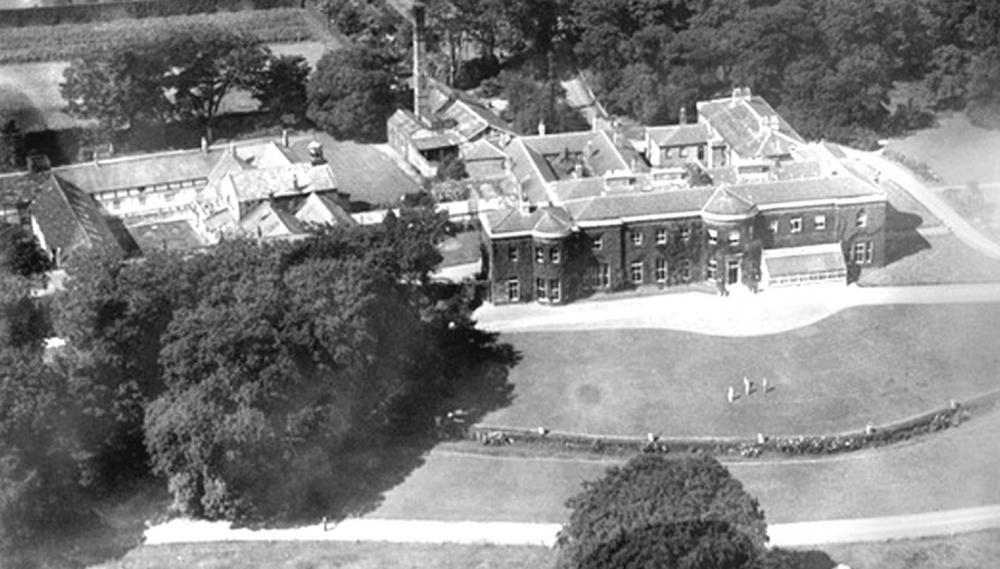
x,y
929,198
545,535
769,312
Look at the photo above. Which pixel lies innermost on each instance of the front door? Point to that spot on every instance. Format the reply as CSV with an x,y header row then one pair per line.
x,y
732,271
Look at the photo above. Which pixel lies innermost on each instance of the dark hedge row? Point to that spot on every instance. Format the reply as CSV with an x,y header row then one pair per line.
x,y
82,13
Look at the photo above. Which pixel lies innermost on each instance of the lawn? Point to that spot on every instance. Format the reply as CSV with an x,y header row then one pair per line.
x,y
862,365
327,555
931,259
957,151
950,469
981,549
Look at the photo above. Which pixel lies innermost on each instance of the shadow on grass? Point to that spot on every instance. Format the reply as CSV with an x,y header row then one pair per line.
x,y
902,239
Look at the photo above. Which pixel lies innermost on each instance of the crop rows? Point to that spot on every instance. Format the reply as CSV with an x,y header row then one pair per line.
x,y
66,41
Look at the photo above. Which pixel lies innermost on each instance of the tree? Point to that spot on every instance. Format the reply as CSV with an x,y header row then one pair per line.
x,y
207,63
281,88
659,511
119,85
11,146
351,94
20,253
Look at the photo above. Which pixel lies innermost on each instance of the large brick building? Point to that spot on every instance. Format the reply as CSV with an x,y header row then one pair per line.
x,y
737,199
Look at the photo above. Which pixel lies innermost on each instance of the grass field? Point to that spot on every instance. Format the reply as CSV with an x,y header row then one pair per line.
x,y
964,551
950,469
64,41
861,365
326,555
935,259
957,151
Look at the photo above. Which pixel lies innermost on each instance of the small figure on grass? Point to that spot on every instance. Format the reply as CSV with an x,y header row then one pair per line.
x,y
731,395
763,385
747,385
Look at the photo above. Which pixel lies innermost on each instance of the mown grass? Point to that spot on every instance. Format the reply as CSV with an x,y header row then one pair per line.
x,y
965,551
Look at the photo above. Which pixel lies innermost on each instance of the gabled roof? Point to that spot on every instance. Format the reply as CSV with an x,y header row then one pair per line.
x,y
749,125
266,220
678,134
136,171
322,210
295,179
727,204
472,119
595,147
482,149
227,164
71,220
544,222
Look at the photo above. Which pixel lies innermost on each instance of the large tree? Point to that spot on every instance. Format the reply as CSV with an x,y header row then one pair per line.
x,y
352,93
20,253
658,511
281,88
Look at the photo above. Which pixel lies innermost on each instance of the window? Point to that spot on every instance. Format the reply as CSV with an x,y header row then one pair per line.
x,y
686,233
636,237
539,255
142,199
773,226
713,268
734,237
554,255
635,271
862,220
513,289
661,270
600,275
512,254
713,236
685,270
863,251
555,290
795,225
682,151
661,236
598,243
819,222
540,293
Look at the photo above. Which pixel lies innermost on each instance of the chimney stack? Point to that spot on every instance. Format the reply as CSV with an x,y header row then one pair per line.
x,y
316,153
682,116
284,137
541,127
419,90
204,145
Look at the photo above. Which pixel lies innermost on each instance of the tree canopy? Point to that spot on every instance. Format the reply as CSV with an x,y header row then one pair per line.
x,y
353,92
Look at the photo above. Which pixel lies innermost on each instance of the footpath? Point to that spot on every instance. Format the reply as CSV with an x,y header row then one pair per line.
x,y
768,312
510,533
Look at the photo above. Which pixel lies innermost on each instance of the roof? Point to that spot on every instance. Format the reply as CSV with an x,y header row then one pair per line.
x,y
266,220
829,188
727,204
482,149
294,179
472,119
749,125
595,147
548,221
322,210
638,204
176,235
678,135
136,171
420,135
789,261
71,220
226,165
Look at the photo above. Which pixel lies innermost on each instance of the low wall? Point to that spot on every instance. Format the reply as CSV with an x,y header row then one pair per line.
x,y
950,415
76,13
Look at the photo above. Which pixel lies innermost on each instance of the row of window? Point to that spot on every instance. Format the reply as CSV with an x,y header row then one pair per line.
x,y
600,275
637,238
554,256
863,252
545,289
795,224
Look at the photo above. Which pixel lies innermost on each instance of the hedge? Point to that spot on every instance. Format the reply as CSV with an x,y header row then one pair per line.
x,y
105,12
946,417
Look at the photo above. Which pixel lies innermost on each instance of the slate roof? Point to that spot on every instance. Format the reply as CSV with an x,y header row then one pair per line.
x,y
678,135
810,189
740,122
21,188
545,221
322,210
617,206
295,179
726,203
135,171
804,260
596,148
483,150
266,220
472,119
70,219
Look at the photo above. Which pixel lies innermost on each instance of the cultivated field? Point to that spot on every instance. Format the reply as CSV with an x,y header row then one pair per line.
x,y
65,41
862,365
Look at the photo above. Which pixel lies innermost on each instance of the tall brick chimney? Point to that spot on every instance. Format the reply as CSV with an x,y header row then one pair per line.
x,y
419,73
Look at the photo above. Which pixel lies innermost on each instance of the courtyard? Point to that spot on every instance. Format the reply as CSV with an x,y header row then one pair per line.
x,y
861,365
